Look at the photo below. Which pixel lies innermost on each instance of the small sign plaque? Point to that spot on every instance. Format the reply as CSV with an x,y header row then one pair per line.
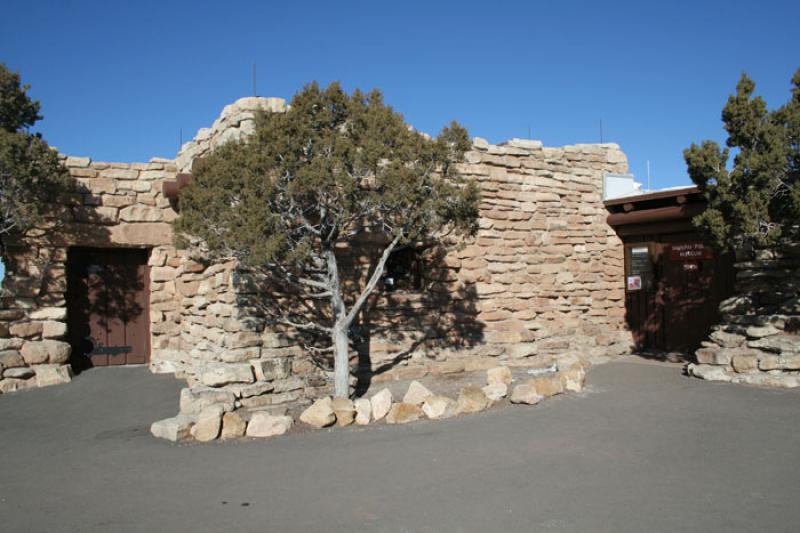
x,y
690,251
691,267
634,283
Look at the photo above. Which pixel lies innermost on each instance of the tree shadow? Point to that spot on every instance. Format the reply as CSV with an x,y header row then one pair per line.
x,y
419,320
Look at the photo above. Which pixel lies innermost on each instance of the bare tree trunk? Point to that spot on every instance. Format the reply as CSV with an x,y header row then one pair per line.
x,y
341,362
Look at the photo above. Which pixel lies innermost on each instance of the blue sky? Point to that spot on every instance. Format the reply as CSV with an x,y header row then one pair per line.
x,y
118,81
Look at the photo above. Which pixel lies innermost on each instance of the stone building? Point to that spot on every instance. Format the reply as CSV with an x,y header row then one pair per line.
x,y
104,284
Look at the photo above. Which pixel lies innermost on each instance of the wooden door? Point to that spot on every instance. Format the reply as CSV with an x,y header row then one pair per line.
x,y
107,302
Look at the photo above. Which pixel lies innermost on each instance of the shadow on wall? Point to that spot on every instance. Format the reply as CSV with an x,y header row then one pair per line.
x,y
418,316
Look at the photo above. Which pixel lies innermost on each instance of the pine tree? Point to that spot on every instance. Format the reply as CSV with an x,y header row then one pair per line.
x,y
334,172
755,202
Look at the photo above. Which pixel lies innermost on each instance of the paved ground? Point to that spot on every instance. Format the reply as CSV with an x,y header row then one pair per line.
x,y
645,449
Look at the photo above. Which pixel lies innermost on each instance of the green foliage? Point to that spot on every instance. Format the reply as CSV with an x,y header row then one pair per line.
x,y
756,201
333,167
30,172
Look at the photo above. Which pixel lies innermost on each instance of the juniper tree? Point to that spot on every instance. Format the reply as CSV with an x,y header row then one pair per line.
x,y
30,172
757,200
333,171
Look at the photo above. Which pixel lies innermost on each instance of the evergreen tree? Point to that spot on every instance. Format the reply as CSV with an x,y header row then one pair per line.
x,y
30,172
333,172
755,202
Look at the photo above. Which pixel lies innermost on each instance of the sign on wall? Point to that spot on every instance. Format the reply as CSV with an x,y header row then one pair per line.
x,y
690,251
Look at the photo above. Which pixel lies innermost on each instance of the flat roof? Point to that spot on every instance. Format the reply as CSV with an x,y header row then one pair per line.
x,y
656,195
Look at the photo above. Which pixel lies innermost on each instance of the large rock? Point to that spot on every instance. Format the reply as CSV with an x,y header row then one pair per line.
x,y
495,391
195,399
363,411
499,375
783,344
779,362
14,384
46,351
417,393
745,363
220,374
573,378
439,407
208,424
233,425
47,375
526,394
402,413
173,429
547,385
709,372
11,359
381,403
319,414
49,313
472,399
344,410
52,329
23,372
267,425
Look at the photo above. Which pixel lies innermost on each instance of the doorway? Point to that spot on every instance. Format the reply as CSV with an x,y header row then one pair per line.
x,y
107,307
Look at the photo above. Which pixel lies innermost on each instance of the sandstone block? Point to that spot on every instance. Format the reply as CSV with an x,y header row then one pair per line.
x,y
436,407
499,375
363,411
709,372
13,384
573,378
47,375
744,363
267,425
49,313
173,429
547,385
381,403
52,329
783,344
11,359
727,340
208,424
195,399
496,391
269,369
220,374
758,332
472,399
233,425
778,362
345,411
320,414
25,329
416,393
402,413
526,394
23,372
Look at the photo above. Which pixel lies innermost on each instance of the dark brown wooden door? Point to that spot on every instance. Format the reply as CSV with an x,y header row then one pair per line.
x,y
675,312
107,302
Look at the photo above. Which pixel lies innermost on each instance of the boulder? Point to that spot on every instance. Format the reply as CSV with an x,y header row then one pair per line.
x,y
23,372
344,410
709,372
416,393
381,403
46,351
319,414
220,374
208,423
173,429
472,399
573,378
363,411
526,394
439,407
402,413
10,359
266,425
548,385
47,375
495,391
499,375
233,425
195,399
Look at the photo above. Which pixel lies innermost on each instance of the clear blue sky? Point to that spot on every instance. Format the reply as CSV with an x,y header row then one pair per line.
x,y
119,80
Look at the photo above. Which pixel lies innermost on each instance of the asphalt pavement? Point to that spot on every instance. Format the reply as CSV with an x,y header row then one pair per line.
x,y
643,449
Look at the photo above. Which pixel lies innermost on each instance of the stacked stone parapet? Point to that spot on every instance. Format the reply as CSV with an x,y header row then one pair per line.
x,y
758,339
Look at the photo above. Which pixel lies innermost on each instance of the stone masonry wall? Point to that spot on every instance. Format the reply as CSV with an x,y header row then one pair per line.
x,y
758,340
542,279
